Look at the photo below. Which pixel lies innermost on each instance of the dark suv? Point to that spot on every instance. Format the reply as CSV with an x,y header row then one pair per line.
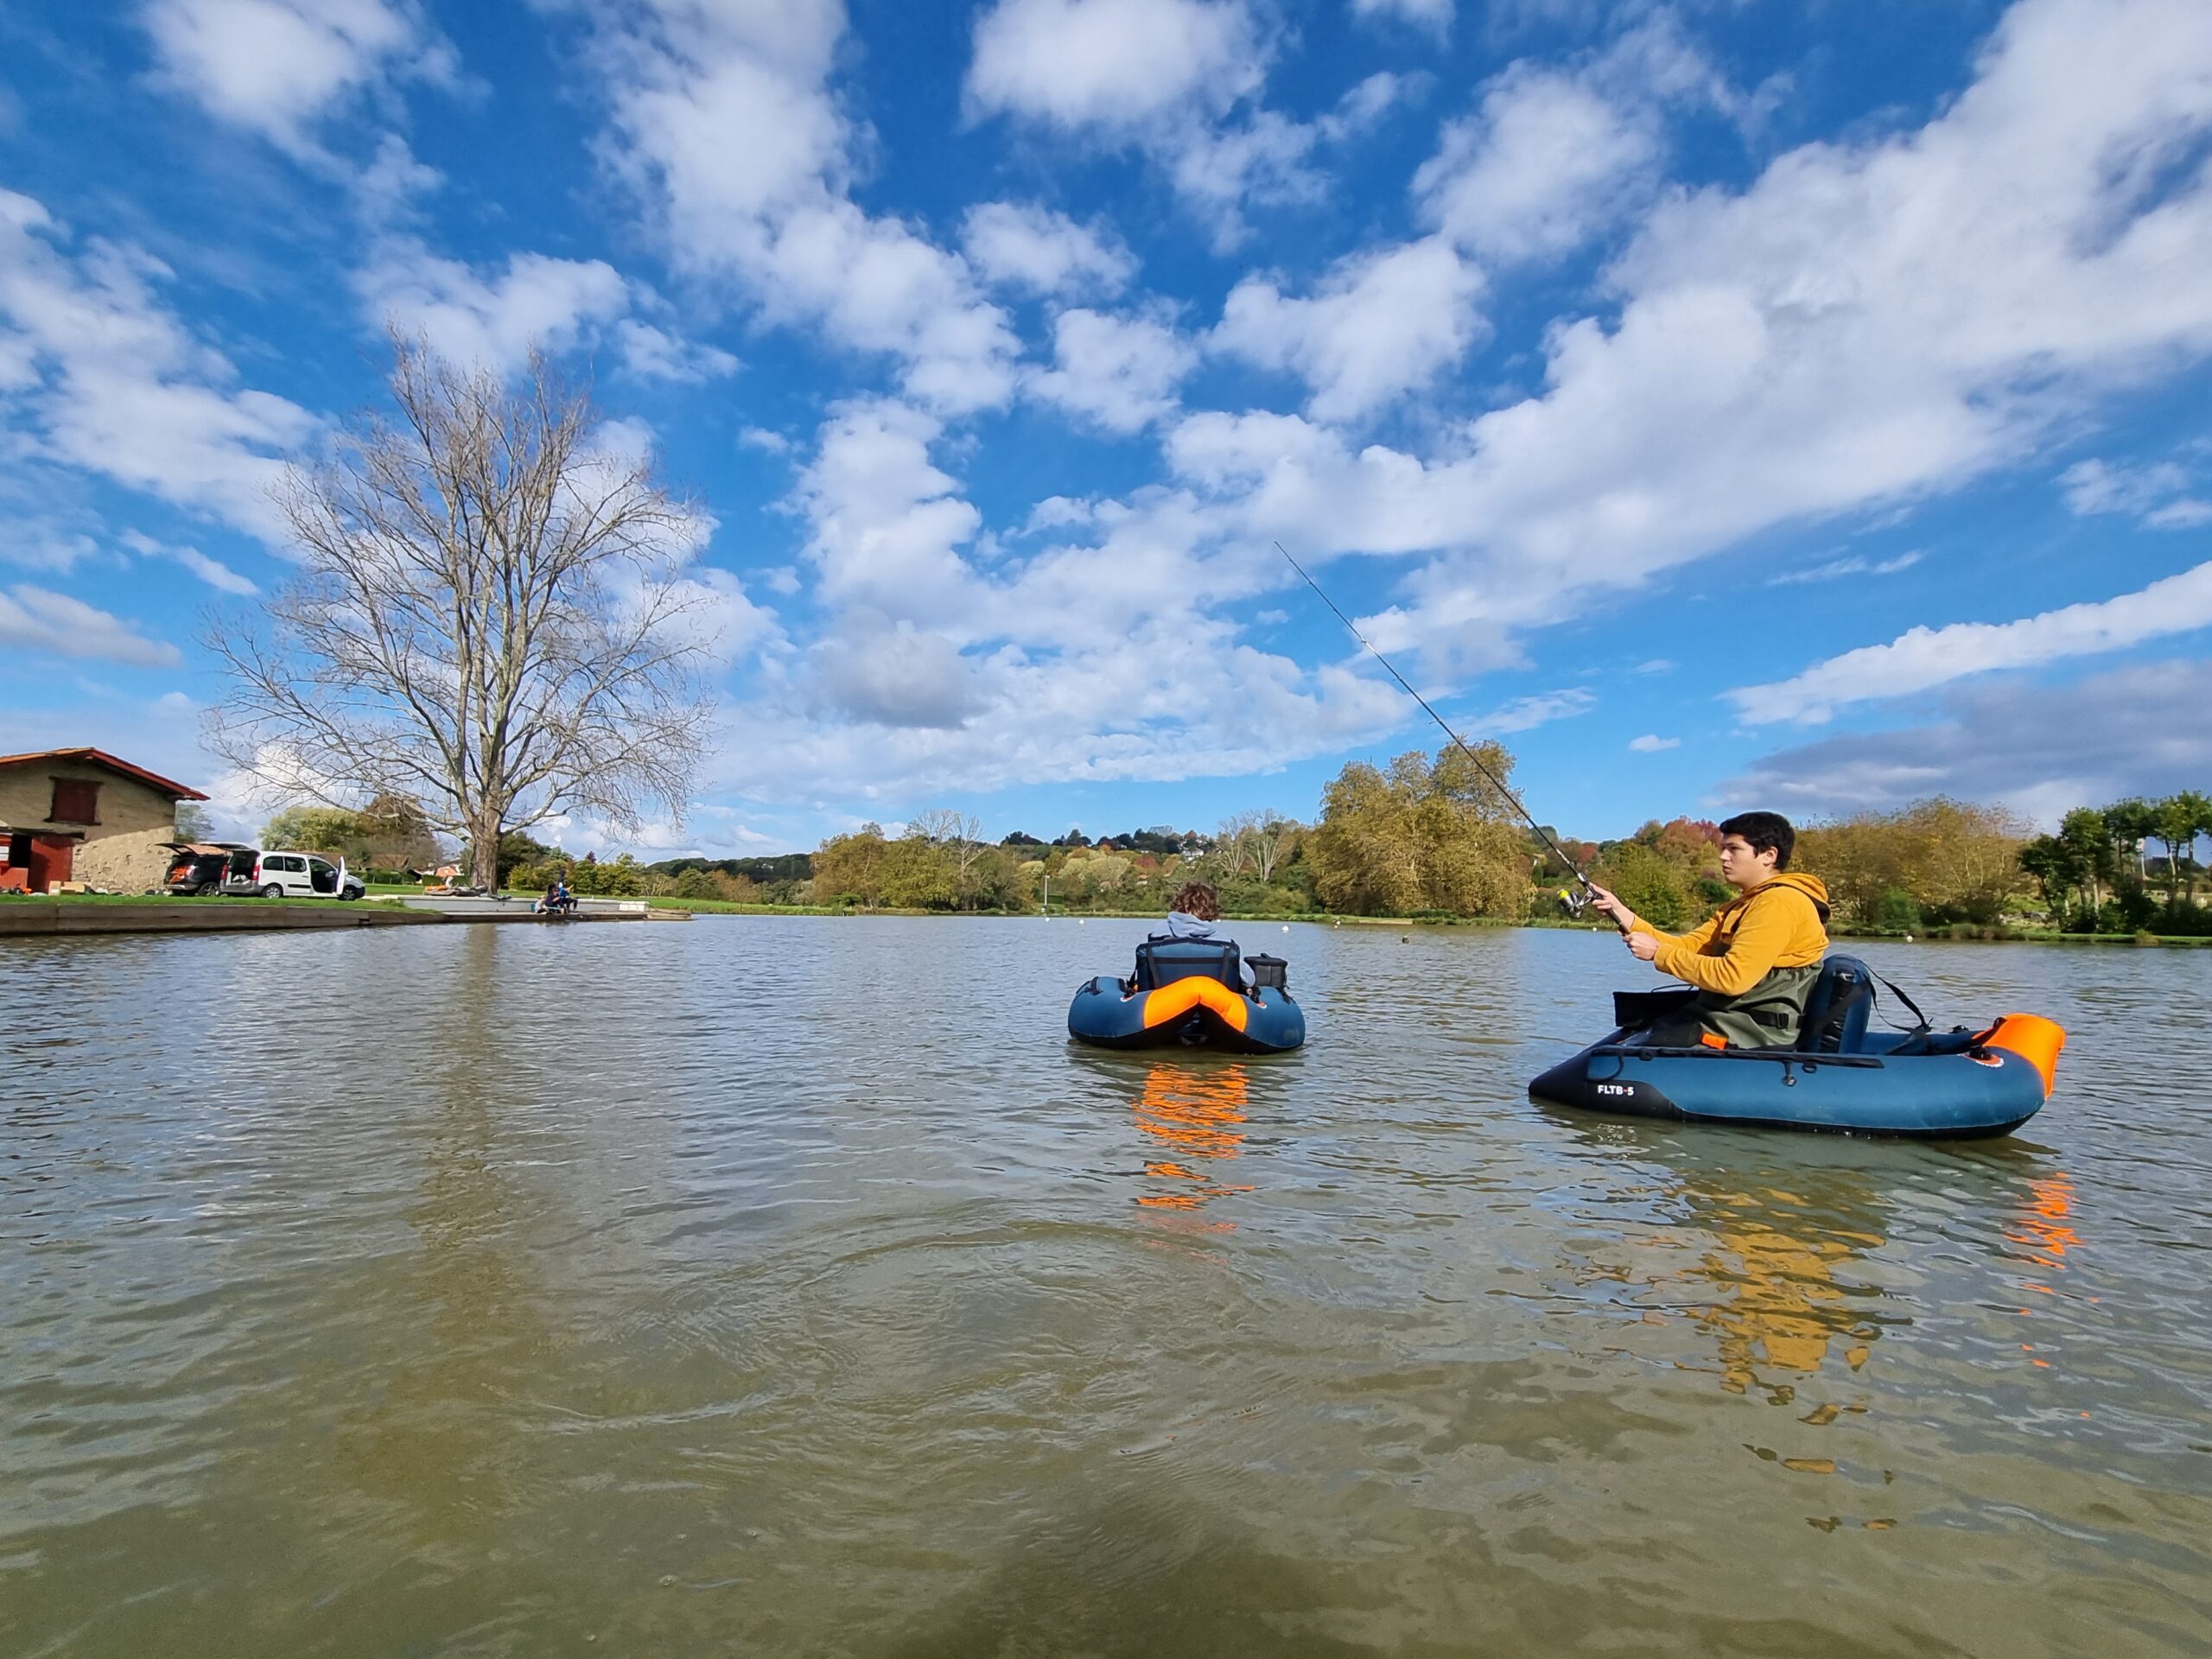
x,y
200,867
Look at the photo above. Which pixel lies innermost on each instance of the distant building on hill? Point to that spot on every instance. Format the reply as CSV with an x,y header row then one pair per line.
x,y
82,815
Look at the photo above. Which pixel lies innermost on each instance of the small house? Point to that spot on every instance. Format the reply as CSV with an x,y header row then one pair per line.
x,y
82,815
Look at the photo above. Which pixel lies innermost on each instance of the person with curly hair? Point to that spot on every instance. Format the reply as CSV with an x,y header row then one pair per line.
x,y
1193,910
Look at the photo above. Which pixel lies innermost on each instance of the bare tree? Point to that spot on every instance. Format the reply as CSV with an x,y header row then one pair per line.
x,y
1232,844
1271,840
490,616
959,833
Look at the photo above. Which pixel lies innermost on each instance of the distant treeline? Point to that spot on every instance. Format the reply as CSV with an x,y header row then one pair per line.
x,y
786,867
1431,836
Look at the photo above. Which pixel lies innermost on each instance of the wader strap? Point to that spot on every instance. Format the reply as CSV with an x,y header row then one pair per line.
x,y
1912,1006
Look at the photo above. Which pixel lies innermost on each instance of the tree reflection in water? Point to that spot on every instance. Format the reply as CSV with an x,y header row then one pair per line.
x,y
1193,1115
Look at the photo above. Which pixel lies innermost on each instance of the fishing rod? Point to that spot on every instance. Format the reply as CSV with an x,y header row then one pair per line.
x,y
1575,902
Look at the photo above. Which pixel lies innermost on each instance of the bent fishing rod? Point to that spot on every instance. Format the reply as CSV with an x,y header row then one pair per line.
x,y
1576,903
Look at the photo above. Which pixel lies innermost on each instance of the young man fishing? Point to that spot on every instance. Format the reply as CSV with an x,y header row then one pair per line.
x,y
1754,961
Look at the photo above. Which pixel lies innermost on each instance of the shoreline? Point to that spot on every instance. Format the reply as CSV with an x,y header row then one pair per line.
x,y
83,915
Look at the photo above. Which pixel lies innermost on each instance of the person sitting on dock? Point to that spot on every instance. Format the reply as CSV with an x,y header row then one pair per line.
x,y
1754,960
558,901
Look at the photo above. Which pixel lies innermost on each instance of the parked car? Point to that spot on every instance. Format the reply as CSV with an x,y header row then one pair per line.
x,y
202,867
294,875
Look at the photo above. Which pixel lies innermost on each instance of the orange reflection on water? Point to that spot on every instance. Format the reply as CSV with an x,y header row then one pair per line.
x,y
2044,1227
1195,1113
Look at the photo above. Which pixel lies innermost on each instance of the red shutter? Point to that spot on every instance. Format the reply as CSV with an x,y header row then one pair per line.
x,y
75,801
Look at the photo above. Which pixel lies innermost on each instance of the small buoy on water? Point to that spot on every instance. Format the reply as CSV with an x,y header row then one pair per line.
x,y
1078,921
1285,927
1908,938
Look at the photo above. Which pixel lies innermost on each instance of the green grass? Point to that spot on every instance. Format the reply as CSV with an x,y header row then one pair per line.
x,y
163,899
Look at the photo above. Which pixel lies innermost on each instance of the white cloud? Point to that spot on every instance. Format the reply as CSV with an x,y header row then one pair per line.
x,y
1114,64
1121,371
2156,494
1167,77
1045,253
1380,324
111,382
876,671
1652,743
1925,656
724,126
888,524
1865,323
1555,155
2040,750
1526,713
277,66
653,353
40,619
468,318
213,572
1429,14
1854,564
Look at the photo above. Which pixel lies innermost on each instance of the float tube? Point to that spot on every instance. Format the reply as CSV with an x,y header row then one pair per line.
x,y
1189,991
1840,1077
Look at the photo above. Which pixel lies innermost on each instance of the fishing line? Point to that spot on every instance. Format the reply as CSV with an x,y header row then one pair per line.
x,y
1575,903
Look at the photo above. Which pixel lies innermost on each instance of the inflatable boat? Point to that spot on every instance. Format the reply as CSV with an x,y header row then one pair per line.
x,y
1191,992
1840,1076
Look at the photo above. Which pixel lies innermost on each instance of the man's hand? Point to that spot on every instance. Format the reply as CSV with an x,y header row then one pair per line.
x,y
1643,947
1607,905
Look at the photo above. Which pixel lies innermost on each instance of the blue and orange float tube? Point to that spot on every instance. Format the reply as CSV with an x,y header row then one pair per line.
x,y
1194,1011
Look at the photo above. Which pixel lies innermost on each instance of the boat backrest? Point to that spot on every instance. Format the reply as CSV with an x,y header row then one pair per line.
x,y
1837,1007
1162,961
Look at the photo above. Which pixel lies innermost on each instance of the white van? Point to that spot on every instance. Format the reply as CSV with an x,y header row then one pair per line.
x,y
292,876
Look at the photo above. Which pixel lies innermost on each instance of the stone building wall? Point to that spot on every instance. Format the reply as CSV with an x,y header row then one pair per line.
x,y
123,852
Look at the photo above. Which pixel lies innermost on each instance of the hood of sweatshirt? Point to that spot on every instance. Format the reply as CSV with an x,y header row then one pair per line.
x,y
1811,886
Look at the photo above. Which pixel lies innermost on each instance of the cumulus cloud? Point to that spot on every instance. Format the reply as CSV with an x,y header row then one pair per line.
x,y
1177,81
1114,64
1121,371
1925,656
1045,253
1379,325
103,377
724,127
1652,743
888,525
1555,155
1865,323
2038,749
472,318
35,618
277,66
871,669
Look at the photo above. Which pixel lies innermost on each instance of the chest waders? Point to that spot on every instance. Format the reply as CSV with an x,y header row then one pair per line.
x,y
1768,1015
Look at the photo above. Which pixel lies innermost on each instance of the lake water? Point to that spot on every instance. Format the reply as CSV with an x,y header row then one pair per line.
x,y
792,1286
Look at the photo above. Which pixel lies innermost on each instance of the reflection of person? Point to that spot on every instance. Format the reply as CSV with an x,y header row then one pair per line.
x,y
1754,961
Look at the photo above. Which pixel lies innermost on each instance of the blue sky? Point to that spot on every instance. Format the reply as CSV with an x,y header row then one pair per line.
x,y
1722,404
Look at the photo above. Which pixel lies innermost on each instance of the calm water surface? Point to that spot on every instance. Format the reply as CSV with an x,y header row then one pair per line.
x,y
790,1286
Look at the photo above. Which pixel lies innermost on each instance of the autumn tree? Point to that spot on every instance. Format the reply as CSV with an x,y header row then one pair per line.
x,y
1428,834
490,616
961,834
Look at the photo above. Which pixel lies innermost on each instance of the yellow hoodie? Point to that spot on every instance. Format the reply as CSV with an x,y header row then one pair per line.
x,y
1782,922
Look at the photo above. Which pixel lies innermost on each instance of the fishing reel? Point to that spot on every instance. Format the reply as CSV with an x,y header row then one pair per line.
x,y
1574,901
